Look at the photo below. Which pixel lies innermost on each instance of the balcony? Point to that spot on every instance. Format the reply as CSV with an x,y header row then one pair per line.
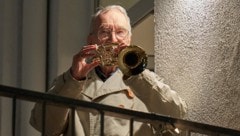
x,y
168,124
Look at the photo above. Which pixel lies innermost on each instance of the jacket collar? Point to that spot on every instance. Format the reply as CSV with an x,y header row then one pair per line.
x,y
95,87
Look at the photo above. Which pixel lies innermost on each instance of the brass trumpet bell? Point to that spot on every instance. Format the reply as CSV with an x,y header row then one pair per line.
x,y
132,60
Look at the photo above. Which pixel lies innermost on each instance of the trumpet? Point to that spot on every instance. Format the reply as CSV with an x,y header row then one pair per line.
x,y
131,60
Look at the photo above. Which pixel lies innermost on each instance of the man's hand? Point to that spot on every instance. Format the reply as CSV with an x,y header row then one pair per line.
x,y
80,67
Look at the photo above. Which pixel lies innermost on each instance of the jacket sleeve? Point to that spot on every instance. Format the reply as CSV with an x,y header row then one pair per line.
x,y
56,117
157,96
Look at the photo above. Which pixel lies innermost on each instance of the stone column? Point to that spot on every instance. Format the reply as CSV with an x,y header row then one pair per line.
x,y
197,50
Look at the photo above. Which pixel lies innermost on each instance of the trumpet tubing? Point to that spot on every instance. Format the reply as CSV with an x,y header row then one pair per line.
x,y
131,60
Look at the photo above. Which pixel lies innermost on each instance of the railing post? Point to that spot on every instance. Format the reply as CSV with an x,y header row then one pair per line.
x,y
73,121
14,102
131,126
43,118
102,123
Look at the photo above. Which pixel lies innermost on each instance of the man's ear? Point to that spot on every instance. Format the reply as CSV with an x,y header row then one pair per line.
x,y
129,40
90,39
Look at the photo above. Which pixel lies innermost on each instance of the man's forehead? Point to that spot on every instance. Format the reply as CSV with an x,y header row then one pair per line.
x,y
112,17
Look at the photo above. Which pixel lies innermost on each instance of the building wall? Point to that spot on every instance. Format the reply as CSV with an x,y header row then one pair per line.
x,y
197,52
143,36
24,47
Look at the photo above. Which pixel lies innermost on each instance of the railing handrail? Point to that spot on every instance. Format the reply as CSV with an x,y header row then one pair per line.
x,y
35,96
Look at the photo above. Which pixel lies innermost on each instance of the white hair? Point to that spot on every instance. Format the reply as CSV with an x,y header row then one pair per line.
x,y
106,9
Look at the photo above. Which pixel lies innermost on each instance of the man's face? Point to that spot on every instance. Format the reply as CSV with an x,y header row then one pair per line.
x,y
111,27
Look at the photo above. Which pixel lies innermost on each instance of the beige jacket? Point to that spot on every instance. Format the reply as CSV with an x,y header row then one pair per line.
x,y
144,92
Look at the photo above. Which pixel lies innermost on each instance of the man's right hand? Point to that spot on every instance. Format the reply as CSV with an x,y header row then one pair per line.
x,y
80,68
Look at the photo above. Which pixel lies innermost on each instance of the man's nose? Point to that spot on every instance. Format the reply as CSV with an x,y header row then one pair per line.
x,y
113,38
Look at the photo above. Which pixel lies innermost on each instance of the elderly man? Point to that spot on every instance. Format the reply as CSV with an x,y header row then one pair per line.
x,y
90,81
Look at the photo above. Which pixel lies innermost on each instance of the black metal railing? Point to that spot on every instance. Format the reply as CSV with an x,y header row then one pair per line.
x,y
105,110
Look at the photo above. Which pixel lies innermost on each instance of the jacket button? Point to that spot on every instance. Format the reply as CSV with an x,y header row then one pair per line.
x,y
121,106
130,94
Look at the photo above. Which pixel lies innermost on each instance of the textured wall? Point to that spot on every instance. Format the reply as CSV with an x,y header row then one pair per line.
x,y
197,50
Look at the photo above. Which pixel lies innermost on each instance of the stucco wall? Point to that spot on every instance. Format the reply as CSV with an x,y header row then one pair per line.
x,y
197,52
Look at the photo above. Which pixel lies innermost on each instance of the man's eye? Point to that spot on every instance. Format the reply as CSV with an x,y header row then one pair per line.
x,y
121,32
104,31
